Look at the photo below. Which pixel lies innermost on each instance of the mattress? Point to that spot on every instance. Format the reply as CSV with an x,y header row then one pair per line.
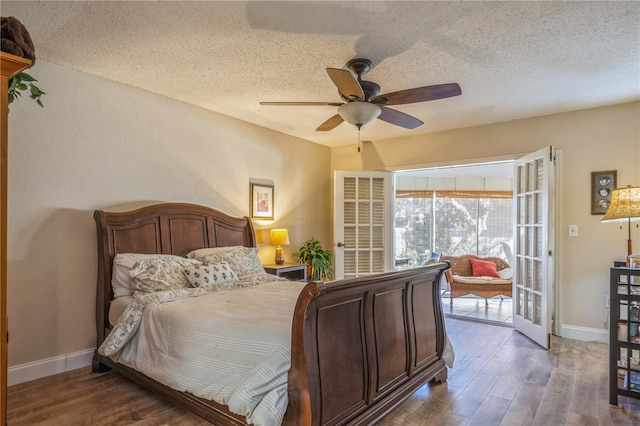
x,y
232,347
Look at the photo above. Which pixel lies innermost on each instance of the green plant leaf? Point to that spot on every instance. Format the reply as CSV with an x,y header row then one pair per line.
x,y
17,85
35,91
25,77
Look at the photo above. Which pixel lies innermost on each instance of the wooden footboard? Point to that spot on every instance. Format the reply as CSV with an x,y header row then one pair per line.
x,y
361,346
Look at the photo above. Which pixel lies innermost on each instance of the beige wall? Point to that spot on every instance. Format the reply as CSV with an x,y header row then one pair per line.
x,y
102,145
597,139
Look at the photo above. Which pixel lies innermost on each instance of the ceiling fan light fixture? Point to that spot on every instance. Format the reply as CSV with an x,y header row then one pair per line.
x,y
359,113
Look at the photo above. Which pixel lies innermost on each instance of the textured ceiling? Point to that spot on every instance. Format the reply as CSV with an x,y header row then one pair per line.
x,y
512,59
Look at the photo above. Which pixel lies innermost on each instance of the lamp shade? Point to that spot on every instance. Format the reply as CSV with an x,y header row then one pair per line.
x,y
359,113
625,204
279,237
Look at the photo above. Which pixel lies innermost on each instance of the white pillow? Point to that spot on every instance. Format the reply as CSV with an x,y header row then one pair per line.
x,y
210,250
242,260
213,274
121,282
505,273
161,273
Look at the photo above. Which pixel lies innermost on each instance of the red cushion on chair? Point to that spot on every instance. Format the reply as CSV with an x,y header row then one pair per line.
x,y
484,268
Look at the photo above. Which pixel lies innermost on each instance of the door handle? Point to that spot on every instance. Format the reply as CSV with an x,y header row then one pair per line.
x,y
340,245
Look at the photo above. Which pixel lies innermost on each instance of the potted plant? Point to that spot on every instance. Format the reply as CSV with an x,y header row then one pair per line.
x,y
318,260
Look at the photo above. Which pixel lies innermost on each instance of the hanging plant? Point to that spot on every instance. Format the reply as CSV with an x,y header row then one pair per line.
x,y
15,39
23,82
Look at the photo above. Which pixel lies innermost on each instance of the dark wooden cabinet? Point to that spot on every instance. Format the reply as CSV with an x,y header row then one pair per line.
x,y
292,271
624,335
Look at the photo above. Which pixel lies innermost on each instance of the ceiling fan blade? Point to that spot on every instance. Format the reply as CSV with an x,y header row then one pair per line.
x,y
346,83
418,94
302,103
399,118
330,124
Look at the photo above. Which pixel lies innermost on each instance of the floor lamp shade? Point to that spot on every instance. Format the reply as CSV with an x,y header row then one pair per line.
x,y
279,238
625,205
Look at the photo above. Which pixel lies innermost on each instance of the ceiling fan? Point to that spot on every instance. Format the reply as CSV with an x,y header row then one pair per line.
x,y
363,102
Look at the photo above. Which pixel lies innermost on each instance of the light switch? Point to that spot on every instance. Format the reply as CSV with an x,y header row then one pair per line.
x,y
573,230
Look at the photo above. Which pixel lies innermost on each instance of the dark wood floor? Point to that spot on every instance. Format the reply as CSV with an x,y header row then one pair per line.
x,y
499,378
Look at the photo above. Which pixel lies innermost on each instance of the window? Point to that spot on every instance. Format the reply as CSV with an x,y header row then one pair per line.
x,y
452,223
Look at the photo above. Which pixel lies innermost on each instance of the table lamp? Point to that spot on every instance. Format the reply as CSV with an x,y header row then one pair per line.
x,y
625,204
279,238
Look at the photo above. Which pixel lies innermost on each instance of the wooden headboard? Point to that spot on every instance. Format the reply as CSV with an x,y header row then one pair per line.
x,y
171,228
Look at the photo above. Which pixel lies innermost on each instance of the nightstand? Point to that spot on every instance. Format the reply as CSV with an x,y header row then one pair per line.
x,y
292,271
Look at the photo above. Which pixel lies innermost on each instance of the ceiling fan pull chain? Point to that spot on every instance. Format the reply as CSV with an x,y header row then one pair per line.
x,y
359,143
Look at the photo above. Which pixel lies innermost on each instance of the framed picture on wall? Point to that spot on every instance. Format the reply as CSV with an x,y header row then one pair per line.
x,y
602,183
261,201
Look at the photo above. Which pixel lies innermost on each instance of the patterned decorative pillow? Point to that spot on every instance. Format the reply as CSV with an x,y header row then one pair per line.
x,y
121,282
161,273
194,254
211,274
242,260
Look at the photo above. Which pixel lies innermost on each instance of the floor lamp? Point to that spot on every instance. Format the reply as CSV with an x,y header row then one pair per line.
x,y
625,204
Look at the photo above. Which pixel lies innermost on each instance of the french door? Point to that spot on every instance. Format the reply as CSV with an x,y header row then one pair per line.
x,y
363,228
533,271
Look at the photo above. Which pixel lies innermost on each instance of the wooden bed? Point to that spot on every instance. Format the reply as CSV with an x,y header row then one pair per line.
x,y
359,346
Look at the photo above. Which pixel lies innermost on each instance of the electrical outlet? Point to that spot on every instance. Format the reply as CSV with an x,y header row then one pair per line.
x,y
606,301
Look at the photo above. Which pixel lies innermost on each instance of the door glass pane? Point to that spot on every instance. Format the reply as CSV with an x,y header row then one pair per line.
x,y
364,213
537,317
349,188
539,174
531,177
378,236
537,276
349,262
349,236
529,313
378,213
364,189
364,238
520,278
364,262
349,212
522,210
377,261
378,189
530,209
519,304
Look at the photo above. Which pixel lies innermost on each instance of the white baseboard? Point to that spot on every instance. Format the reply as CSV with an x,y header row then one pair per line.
x,y
48,367
584,333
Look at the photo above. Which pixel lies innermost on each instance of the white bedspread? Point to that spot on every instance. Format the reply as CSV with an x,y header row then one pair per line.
x,y
180,344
